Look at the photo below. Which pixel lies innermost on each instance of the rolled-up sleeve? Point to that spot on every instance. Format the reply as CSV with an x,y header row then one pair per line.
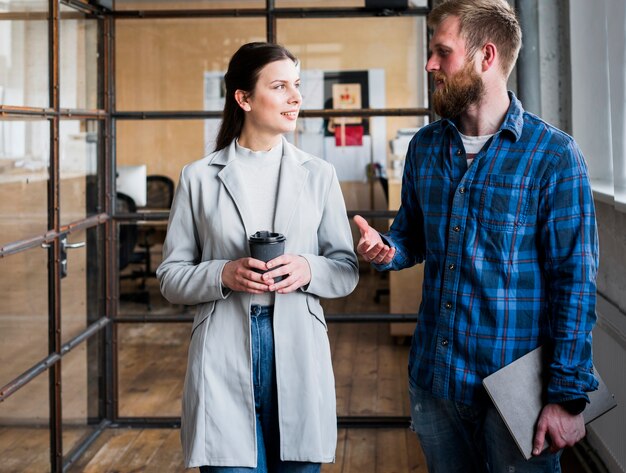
x,y
570,242
406,234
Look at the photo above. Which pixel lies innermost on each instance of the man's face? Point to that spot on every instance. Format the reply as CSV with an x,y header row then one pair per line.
x,y
457,84
457,92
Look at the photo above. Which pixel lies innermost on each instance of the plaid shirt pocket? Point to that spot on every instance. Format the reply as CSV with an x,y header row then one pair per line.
x,y
508,202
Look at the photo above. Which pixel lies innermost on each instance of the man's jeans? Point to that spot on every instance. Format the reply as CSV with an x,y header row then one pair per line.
x,y
265,398
465,439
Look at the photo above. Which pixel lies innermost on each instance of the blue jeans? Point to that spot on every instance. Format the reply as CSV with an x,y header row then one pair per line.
x,y
469,439
266,403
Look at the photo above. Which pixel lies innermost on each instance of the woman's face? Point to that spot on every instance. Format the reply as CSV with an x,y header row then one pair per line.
x,y
273,107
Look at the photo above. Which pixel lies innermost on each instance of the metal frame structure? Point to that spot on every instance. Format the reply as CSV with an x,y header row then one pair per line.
x,y
104,321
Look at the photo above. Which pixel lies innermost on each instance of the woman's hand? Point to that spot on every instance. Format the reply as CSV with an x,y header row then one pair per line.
x,y
239,275
295,268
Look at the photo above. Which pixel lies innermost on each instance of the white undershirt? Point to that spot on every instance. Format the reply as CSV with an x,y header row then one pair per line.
x,y
261,170
473,145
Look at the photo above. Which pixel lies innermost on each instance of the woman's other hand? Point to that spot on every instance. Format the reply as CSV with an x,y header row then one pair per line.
x,y
295,269
240,275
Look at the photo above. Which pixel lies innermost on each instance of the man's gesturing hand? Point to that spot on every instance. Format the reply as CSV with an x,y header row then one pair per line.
x,y
371,246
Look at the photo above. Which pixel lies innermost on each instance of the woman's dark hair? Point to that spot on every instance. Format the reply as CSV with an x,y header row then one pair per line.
x,y
243,72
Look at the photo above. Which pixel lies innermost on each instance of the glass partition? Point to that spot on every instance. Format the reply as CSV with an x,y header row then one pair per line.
x,y
82,294
165,146
23,312
78,149
24,53
366,152
150,156
140,252
320,4
162,146
80,392
150,5
24,174
80,286
146,349
341,3
383,57
368,156
24,428
167,64
78,60
369,368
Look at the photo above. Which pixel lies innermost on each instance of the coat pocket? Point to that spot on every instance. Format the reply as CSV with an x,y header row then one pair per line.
x,y
315,308
204,311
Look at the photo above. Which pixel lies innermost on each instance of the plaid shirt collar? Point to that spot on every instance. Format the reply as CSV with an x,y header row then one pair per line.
x,y
513,120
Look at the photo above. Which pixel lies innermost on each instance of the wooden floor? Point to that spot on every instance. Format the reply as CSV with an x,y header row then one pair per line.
x,y
370,371
158,450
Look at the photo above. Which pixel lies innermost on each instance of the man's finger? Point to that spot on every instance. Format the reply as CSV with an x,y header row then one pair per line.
x,y
388,256
540,438
364,246
383,255
362,224
378,250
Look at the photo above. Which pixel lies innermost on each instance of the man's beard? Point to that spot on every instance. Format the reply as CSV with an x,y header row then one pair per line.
x,y
459,91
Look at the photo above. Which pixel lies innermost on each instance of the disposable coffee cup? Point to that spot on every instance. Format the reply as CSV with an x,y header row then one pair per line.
x,y
266,246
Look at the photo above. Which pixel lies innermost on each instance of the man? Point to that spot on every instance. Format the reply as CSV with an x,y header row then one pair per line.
x,y
498,205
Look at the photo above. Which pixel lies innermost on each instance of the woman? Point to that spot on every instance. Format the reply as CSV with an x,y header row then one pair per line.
x,y
259,391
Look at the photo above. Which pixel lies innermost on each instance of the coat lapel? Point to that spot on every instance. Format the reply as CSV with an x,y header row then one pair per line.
x,y
231,177
293,177
291,182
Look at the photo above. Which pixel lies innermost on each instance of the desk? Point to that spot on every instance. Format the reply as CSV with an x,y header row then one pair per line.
x,y
405,287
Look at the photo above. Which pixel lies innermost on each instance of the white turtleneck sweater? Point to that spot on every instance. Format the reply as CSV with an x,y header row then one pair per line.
x,y
260,174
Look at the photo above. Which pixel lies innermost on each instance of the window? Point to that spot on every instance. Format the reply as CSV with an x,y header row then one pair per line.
x,y
598,91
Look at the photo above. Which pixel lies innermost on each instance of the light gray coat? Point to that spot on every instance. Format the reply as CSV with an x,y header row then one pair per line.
x,y
209,226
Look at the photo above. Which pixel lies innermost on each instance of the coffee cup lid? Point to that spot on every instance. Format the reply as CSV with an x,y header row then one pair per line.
x,y
267,237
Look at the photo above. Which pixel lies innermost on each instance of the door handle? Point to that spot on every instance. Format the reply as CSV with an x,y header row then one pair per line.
x,y
71,246
64,247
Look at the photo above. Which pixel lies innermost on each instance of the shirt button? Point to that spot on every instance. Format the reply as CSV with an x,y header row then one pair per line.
x,y
459,152
451,267
448,305
444,342
457,228
462,190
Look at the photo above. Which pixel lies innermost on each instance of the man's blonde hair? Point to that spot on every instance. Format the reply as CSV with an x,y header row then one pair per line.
x,y
481,22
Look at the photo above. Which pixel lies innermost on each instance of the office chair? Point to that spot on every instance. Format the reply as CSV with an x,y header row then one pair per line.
x,y
128,254
159,196
159,192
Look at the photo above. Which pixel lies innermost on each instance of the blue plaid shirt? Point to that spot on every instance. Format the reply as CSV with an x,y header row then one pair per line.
x,y
510,249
